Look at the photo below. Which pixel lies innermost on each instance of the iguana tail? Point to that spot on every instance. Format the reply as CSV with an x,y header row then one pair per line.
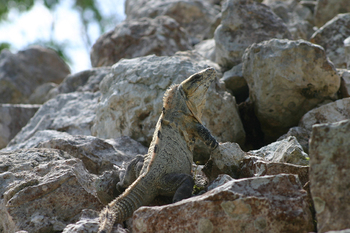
x,y
140,193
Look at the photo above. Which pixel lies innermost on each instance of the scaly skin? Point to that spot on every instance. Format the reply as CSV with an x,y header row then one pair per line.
x,y
167,166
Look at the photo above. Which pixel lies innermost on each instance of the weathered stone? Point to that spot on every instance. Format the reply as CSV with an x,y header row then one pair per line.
x,y
161,36
224,160
43,190
326,10
236,83
39,96
286,79
23,72
220,180
295,15
331,37
301,134
97,154
196,16
12,118
87,80
329,176
253,166
206,48
243,23
345,75
285,151
72,113
131,99
260,204
328,113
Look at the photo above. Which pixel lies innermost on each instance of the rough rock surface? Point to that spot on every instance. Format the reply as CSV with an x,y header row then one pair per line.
x,y
206,48
196,16
326,10
253,166
131,100
285,151
12,118
84,81
40,189
236,83
260,204
329,176
331,37
286,79
328,113
72,113
23,72
295,15
161,36
224,160
39,96
243,23
301,134
97,154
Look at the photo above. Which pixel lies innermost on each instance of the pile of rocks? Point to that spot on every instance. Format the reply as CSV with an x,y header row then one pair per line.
x,y
280,106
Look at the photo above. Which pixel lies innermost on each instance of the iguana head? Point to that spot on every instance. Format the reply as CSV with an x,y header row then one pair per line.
x,y
195,89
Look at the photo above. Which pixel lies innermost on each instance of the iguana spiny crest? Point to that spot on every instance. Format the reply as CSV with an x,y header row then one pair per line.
x,y
166,168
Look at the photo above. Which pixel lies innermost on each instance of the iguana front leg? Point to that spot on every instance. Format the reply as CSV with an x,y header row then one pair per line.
x,y
204,134
131,173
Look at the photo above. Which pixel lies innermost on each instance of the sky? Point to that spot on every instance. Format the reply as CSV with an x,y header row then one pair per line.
x,y
26,28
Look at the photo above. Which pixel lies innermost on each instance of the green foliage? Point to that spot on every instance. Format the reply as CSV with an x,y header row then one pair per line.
x,y
4,45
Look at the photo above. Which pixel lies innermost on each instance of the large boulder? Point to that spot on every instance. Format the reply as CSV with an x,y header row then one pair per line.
x,y
132,98
326,10
286,79
331,37
260,204
196,16
162,36
243,23
72,113
13,118
43,190
23,72
329,176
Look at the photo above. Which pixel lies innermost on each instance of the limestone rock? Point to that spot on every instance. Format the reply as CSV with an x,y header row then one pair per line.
x,y
328,113
206,48
253,166
97,154
285,151
286,79
236,83
301,134
243,23
43,190
326,10
196,16
220,180
329,176
295,15
162,36
331,37
87,80
23,72
39,96
224,160
131,100
345,75
259,204
12,118
72,113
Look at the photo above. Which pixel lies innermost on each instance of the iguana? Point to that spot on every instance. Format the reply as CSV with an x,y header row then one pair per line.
x,y
166,168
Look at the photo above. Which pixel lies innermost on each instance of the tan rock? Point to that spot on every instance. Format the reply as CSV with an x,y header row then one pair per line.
x,y
243,23
326,10
260,204
23,72
329,176
331,37
162,36
286,79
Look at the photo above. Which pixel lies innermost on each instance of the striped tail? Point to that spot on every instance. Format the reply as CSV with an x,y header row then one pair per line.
x,y
138,194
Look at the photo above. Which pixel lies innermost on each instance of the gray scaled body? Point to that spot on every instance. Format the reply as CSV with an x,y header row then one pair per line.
x,y
166,168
